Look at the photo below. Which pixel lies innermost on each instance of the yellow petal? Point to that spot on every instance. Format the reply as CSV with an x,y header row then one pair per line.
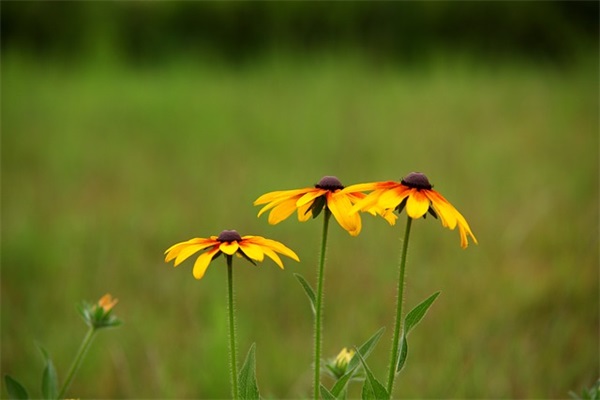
x,y
203,261
368,202
274,245
303,214
310,196
391,198
174,250
188,251
229,248
465,232
417,204
282,211
281,194
447,213
339,204
273,256
252,250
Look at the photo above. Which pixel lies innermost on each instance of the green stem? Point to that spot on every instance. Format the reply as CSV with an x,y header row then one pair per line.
x,y
319,304
232,340
83,348
400,299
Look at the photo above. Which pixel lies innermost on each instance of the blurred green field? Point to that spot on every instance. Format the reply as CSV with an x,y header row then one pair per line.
x,y
104,167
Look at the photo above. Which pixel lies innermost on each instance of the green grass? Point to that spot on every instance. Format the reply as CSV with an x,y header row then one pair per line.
x,y
104,168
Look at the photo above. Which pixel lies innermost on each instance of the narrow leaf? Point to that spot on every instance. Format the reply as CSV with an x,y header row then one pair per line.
x,y
340,384
403,354
247,380
15,389
366,348
417,313
50,381
326,394
367,392
377,389
308,290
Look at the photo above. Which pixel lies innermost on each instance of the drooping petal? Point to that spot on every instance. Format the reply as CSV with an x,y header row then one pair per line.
x,y
303,214
273,256
465,232
280,194
187,252
252,250
446,211
340,205
203,261
366,203
310,196
282,211
174,250
392,197
417,204
229,248
273,245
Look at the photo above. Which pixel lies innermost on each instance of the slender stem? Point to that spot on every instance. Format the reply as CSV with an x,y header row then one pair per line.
x,y
394,354
319,304
232,339
83,348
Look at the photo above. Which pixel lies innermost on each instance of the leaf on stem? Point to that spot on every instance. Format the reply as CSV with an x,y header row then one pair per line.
x,y
412,319
308,290
15,389
326,394
49,376
247,380
372,389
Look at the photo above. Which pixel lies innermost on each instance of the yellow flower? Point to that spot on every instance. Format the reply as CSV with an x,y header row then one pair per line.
x,y
252,248
107,302
416,194
310,201
343,358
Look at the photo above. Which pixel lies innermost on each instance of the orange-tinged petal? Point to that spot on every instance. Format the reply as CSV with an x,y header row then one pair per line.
x,y
417,204
367,203
391,198
465,231
310,196
282,211
340,205
252,250
203,261
229,248
366,187
188,251
447,213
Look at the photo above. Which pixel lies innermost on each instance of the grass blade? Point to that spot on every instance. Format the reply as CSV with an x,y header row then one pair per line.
x,y
308,290
247,380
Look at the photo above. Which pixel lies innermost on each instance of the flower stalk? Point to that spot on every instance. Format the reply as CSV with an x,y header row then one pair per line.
x,y
399,301
83,348
232,338
319,304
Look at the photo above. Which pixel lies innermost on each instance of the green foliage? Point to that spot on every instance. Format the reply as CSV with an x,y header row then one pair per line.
x,y
593,393
310,293
49,376
248,386
410,321
372,389
15,389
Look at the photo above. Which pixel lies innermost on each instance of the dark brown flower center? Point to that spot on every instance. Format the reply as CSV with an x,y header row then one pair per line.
x,y
416,180
330,183
229,236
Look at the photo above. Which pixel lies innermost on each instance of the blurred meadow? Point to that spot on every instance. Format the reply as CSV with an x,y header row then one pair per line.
x,y
128,127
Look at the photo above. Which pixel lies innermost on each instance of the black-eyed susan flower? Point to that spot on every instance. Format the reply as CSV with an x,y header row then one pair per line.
x,y
229,242
309,202
416,194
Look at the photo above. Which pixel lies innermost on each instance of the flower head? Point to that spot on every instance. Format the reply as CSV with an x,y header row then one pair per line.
x,y
252,248
338,366
309,202
99,315
416,194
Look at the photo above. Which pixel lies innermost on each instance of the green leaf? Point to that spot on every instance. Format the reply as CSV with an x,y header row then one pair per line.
x,y
340,384
417,313
403,354
326,394
366,348
15,389
373,389
49,377
247,380
308,290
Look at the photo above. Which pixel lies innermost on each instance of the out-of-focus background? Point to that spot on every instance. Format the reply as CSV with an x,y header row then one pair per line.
x,y
130,126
